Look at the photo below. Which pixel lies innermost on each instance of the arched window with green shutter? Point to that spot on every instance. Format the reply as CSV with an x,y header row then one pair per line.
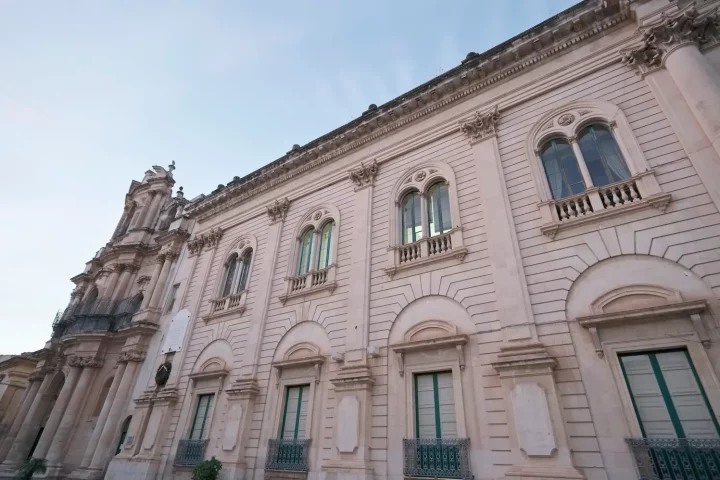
x,y
411,218
438,209
305,257
325,238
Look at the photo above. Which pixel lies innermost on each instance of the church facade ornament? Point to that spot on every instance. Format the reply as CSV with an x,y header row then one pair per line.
x,y
364,175
278,210
482,126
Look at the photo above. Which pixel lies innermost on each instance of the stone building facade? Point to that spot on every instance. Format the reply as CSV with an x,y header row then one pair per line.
x,y
511,271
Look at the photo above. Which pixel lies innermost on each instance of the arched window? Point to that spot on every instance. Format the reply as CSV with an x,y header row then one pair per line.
x,y
411,218
325,238
123,434
602,155
304,258
230,267
244,271
438,207
561,168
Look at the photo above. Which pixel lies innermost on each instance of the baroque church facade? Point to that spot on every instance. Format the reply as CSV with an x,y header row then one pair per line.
x,y
509,272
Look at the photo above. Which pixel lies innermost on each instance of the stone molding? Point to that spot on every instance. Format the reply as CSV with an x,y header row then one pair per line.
x,y
364,175
478,71
524,359
131,356
278,210
660,38
210,239
482,126
243,388
83,362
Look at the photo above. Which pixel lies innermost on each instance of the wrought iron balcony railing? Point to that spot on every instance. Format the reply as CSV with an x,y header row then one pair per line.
x,y
190,452
288,454
676,458
96,316
437,457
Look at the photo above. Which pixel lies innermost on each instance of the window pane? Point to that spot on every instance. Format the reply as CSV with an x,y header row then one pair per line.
x,y
439,209
305,252
200,421
561,169
425,396
324,254
244,271
229,275
446,398
645,390
686,395
602,155
171,298
411,218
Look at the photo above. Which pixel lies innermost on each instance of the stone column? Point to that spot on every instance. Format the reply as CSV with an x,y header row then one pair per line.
x,y
251,357
122,285
140,223
59,408
27,401
112,424
587,179
149,220
102,418
59,445
672,41
20,446
112,281
147,294
170,256
512,297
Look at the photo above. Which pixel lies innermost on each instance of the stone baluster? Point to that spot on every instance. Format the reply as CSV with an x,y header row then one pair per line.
x,y
59,408
27,401
102,418
152,212
170,257
59,445
112,423
159,261
22,443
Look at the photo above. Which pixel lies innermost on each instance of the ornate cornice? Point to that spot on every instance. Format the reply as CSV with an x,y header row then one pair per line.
x,y
278,210
482,126
364,175
131,356
477,72
660,38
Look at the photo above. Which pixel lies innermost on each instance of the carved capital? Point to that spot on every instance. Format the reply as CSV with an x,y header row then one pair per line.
x,y
160,258
171,254
77,293
131,356
364,175
143,279
84,362
660,38
278,210
73,361
213,237
37,375
195,246
482,126
118,267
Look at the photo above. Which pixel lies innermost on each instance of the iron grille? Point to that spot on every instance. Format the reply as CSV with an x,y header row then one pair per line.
x,y
288,454
437,457
190,452
96,316
676,458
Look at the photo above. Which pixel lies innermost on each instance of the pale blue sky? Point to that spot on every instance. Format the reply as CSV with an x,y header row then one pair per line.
x,y
94,93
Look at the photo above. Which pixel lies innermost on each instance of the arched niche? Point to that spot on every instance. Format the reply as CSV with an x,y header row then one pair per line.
x,y
213,364
304,333
431,307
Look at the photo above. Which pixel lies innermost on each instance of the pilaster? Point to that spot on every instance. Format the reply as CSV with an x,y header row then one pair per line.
x,y
236,426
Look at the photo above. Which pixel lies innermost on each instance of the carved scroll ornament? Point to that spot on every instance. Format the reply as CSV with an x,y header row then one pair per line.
x,y
278,210
364,175
482,126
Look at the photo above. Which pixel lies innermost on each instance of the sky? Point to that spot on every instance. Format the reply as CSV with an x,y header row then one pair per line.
x,y
92,94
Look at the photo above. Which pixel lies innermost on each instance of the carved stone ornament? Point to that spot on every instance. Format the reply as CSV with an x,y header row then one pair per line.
x,y
278,210
669,32
212,238
163,374
37,375
566,119
317,216
195,245
170,254
420,176
364,175
143,279
482,126
82,362
131,356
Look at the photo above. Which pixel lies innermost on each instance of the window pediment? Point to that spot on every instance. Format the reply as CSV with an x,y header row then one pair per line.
x,y
428,336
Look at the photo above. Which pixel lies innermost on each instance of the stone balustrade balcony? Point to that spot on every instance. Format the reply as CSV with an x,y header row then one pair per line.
x,y
596,203
229,304
676,458
437,457
190,452
426,250
310,282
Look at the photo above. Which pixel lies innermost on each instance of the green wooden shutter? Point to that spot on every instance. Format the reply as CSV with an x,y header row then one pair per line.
x,y
435,406
295,412
667,395
200,420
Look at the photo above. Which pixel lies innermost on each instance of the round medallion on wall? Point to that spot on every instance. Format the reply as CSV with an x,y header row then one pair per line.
x,y
420,177
163,374
566,119
317,215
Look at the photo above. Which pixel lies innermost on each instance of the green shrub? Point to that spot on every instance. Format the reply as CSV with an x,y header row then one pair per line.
x,y
30,467
207,470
